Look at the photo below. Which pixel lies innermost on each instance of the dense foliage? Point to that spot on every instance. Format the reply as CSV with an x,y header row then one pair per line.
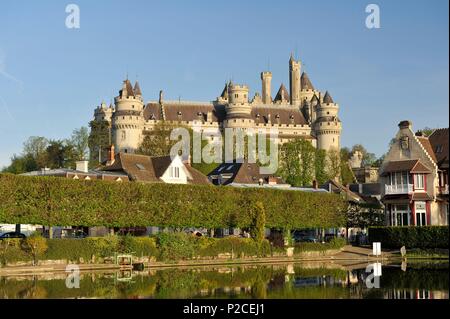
x,y
59,201
410,237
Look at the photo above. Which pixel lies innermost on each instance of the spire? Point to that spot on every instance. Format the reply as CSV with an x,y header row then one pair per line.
x,y
137,89
282,95
327,98
127,89
305,82
224,94
291,59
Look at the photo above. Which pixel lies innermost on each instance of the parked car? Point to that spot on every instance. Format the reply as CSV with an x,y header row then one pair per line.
x,y
12,235
303,238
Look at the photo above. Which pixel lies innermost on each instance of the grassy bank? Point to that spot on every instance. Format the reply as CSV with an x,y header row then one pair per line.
x,y
167,247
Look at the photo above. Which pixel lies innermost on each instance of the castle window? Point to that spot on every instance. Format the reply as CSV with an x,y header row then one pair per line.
x,y
132,106
236,95
124,136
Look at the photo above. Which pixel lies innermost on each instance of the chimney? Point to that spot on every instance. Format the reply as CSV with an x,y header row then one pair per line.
x,y
405,125
209,116
161,96
111,154
315,186
82,166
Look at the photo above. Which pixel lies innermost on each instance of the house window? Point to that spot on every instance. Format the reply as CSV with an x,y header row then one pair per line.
x,y
421,214
419,181
400,215
175,172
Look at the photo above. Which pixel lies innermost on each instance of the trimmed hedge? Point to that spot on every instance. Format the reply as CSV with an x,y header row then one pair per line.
x,y
335,243
60,201
410,237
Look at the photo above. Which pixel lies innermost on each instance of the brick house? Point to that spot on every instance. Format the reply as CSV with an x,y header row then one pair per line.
x,y
414,178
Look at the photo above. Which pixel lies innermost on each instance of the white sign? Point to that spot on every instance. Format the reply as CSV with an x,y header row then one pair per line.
x,y
377,249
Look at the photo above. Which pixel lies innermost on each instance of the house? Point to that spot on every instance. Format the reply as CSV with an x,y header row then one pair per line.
x,y
414,178
242,173
155,169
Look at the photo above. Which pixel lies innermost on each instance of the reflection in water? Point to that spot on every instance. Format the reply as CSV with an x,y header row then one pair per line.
x,y
299,281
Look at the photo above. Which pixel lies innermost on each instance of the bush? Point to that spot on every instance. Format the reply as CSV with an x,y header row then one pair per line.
x,y
410,237
139,246
36,246
11,251
175,246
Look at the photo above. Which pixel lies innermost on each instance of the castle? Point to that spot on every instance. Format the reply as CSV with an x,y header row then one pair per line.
x,y
303,112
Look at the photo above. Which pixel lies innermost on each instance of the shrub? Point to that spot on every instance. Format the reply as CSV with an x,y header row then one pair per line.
x,y
175,246
410,237
139,246
335,243
11,251
35,245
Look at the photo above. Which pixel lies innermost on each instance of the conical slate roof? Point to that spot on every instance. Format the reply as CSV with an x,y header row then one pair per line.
x,y
327,98
305,82
282,92
224,94
137,89
128,87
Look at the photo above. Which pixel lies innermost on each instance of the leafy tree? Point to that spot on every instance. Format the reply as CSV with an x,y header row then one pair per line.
x,y
157,142
259,223
55,155
21,164
36,147
80,142
427,131
99,141
320,165
36,246
334,163
297,162
346,173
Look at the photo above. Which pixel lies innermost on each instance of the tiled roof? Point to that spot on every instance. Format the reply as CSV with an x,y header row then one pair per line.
x,y
278,114
150,169
414,166
224,94
305,82
184,112
137,89
241,173
439,143
327,99
427,146
282,92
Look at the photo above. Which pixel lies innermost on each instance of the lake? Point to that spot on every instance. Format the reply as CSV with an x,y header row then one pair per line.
x,y
418,280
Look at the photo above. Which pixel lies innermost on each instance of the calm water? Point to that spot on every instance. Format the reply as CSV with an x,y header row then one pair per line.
x,y
312,281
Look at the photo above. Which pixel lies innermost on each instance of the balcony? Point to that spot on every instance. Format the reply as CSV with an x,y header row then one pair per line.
x,y
398,189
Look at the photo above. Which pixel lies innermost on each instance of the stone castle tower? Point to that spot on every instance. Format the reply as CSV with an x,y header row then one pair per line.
x,y
127,120
301,112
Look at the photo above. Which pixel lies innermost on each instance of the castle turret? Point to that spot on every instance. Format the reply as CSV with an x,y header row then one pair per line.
x,y
128,119
266,78
237,106
294,81
103,113
328,126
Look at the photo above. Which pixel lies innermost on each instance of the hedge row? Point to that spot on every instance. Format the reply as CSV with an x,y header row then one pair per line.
x,y
79,250
60,201
410,237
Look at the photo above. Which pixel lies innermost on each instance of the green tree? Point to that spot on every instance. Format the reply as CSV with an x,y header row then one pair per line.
x,y
99,141
346,173
21,164
334,165
259,224
36,246
320,166
157,141
297,162
36,147
80,142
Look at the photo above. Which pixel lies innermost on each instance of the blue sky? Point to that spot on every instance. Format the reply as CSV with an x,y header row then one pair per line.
x,y
51,77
